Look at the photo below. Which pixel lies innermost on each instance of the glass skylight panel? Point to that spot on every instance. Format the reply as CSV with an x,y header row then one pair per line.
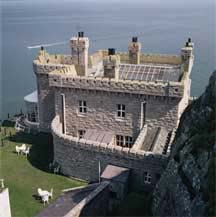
x,y
149,72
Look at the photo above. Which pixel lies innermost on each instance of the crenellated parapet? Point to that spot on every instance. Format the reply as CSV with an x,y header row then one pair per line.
x,y
172,89
152,58
88,145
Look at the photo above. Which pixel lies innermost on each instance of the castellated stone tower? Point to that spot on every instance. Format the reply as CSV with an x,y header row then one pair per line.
x,y
134,49
187,55
111,64
79,51
46,103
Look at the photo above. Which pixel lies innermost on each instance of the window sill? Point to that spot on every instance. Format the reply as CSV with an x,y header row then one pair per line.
x,y
147,183
120,119
81,114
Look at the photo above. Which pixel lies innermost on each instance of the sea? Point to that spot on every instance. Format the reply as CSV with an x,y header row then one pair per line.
x,y
163,26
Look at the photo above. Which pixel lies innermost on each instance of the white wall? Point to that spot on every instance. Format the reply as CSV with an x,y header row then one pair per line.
x,y
5,210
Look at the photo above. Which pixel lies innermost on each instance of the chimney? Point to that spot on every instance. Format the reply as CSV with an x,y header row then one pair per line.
x,y
80,34
79,51
111,51
190,43
134,49
111,64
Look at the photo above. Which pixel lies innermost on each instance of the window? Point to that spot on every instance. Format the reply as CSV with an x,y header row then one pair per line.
x,y
119,140
120,110
124,141
82,107
128,141
147,178
81,133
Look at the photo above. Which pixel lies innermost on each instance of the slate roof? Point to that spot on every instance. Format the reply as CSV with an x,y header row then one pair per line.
x,y
32,97
116,173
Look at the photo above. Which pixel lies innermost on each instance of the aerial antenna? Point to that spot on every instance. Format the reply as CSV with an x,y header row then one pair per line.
x,y
47,45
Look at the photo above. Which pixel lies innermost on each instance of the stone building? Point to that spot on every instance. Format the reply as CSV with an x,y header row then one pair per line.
x,y
112,107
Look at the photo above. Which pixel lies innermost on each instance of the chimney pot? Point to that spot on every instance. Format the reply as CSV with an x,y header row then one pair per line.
x,y
111,51
80,34
135,39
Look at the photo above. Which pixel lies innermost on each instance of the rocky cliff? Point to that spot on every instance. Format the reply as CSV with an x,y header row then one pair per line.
x,y
187,187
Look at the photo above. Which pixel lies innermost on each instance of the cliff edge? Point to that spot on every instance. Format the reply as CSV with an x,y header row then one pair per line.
x,y
187,186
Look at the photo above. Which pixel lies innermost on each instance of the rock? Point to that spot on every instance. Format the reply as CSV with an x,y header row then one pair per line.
x,y
187,186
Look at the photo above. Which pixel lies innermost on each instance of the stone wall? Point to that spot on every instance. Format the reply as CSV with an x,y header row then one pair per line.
x,y
95,204
99,205
80,158
186,96
102,111
173,89
152,58
46,103
141,138
40,68
160,59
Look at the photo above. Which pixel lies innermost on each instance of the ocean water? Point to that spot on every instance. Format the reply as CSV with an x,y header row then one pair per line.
x,y
162,27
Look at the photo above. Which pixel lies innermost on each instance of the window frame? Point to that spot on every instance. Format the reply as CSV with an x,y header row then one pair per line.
x,y
80,133
124,141
147,178
128,141
121,111
83,109
119,140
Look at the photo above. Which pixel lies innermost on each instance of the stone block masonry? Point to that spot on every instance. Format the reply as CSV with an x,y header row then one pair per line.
x,y
102,111
173,89
80,158
46,103
79,92
95,204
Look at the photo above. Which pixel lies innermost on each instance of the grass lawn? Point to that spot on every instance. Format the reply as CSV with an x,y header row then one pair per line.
x,y
24,175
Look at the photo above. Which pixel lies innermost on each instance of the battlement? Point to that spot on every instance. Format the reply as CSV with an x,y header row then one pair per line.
x,y
136,97
119,151
172,89
44,58
144,58
153,58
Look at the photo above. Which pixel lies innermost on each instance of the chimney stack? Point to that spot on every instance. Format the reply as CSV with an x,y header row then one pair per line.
x,y
79,51
134,49
111,64
111,51
80,34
